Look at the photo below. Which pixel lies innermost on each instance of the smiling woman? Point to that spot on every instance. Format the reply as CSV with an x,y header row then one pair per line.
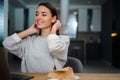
x,y
45,51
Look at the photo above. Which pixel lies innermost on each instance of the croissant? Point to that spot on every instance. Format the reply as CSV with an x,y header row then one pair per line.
x,y
62,74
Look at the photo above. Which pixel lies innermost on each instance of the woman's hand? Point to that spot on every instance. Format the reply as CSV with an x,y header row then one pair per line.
x,y
33,29
56,26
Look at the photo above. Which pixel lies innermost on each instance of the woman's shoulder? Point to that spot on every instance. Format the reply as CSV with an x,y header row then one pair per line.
x,y
64,37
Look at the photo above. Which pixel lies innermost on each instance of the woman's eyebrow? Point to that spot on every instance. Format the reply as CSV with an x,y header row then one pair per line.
x,y
36,12
41,12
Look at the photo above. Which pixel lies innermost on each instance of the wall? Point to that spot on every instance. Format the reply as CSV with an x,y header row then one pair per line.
x,y
11,20
15,19
116,39
19,19
107,16
5,18
1,21
31,16
84,19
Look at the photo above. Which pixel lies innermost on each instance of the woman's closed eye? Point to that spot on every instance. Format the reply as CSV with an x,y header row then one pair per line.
x,y
44,14
36,14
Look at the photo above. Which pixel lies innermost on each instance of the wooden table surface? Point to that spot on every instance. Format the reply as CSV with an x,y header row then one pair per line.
x,y
82,76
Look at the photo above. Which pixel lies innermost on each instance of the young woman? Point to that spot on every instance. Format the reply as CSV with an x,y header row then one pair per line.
x,y
43,52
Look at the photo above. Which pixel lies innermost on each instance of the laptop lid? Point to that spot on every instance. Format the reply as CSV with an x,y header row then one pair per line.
x,y
5,70
4,66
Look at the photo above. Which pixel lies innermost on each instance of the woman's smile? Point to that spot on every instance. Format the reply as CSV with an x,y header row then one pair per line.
x,y
40,22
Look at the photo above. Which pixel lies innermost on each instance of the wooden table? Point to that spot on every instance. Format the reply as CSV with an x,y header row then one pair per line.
x,y
83,76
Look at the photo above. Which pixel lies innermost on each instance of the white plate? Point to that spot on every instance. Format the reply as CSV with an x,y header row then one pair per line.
x,y
52,79
76,77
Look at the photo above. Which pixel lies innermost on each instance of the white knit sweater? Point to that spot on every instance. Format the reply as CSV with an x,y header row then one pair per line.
x,y
39,54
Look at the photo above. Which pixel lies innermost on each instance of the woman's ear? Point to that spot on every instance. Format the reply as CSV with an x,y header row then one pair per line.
x,y
54,19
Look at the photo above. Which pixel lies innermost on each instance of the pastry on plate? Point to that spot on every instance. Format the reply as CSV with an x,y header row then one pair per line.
x,y
62,74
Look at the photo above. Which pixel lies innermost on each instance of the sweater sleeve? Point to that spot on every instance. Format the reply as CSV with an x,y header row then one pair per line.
x,y
13,45
58,46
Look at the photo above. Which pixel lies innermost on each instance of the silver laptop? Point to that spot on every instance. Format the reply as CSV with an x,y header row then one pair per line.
x,y
5,70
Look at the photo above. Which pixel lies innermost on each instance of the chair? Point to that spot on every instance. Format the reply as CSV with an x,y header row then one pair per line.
x,y
74,63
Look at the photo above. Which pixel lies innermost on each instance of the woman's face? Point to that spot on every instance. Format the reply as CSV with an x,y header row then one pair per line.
x,y
43,17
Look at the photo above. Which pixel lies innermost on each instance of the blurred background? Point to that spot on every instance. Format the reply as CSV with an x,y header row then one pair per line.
x,y
92,25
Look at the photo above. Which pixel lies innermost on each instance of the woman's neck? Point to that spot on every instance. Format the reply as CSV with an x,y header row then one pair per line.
x,y
45,32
